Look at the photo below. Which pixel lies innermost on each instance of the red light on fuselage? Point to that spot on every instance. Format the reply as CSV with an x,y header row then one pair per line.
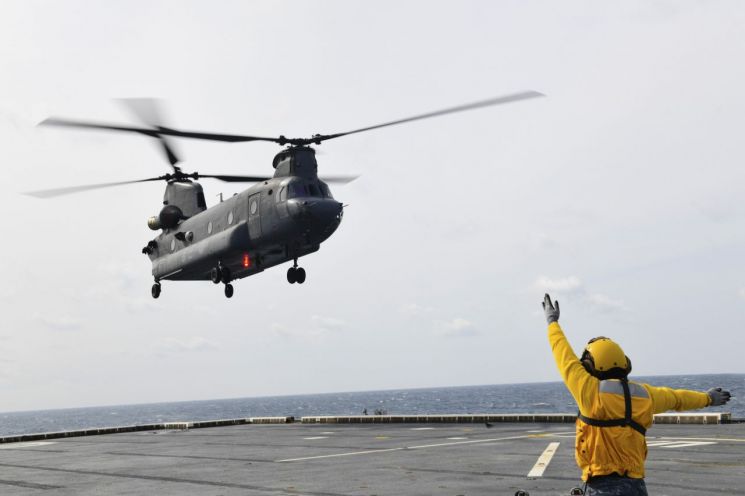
x,y
246,261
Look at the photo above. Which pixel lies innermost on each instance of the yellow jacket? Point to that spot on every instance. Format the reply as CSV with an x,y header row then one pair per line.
x,y
605,450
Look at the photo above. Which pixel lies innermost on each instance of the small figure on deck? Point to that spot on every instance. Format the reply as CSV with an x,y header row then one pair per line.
x,y
364,412
614,413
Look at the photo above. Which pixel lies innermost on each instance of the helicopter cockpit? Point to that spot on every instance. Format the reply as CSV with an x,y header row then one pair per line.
x,y
304,189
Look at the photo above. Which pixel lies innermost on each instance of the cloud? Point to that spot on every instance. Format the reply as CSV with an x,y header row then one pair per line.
x,y
62,323
573,288
571,284
605,304
327,324
193,344
457,328
319,326
742,293
415,310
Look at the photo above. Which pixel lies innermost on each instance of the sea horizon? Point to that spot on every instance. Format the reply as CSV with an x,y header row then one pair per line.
x,y
538,397
641,378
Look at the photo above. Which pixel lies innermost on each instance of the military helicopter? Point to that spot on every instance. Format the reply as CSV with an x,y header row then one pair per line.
x,y
279,219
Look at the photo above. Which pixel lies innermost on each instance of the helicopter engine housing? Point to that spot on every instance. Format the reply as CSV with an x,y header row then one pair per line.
x,y
168,218
153,222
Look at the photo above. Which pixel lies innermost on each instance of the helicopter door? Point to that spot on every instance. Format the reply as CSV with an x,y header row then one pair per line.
x,y
254,216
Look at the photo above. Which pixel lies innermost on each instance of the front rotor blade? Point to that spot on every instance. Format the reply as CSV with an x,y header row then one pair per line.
x,y
235,179
515,97
50,193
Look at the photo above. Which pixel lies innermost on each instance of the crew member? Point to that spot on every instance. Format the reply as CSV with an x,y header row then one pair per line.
x,y
614,413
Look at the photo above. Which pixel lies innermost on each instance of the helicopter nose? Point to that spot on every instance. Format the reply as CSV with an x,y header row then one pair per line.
x,y
325,212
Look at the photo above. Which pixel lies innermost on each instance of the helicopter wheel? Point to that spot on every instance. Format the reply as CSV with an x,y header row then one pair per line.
x,y
225,274
215,275
292,275
155,290
300,275
228,290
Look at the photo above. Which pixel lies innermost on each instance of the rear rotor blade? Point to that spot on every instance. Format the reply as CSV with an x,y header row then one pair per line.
x,y
160,131
149,112
235,179
50,193
231,138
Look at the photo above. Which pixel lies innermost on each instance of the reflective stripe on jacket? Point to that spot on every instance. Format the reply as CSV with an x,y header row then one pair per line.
x,y
605,450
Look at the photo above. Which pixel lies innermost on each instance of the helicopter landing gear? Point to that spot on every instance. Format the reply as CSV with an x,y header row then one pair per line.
x,y
215,275
296,274
228,290
155,290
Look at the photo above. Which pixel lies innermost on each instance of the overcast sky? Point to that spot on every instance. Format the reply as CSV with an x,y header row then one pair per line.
x,y
620,193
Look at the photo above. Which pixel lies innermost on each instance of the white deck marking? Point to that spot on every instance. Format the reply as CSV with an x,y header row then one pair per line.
x,y
369,452
327,432
660,443
715,439
686,445
30,444
543,461
315,437
423,429
457,438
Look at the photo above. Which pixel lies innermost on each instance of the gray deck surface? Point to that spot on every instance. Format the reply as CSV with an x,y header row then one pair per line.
x,y
378,459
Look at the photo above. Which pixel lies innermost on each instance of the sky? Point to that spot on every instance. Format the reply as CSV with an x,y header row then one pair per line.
x,y
620,193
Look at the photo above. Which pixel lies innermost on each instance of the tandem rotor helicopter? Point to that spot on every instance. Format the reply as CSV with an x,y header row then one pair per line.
x,y
279,219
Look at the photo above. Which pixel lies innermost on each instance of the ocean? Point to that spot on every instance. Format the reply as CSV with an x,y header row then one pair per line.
x,y
550,397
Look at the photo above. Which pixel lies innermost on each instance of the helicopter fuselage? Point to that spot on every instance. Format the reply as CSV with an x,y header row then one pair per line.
x,y
275,221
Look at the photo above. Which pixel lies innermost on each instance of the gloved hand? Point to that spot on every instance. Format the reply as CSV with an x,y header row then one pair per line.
x,y
552,311
718,397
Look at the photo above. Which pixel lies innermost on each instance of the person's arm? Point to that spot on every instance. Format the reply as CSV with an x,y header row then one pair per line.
x,y
664,399
579,382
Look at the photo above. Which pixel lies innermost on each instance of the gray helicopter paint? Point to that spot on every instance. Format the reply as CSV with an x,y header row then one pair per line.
x,y
262,222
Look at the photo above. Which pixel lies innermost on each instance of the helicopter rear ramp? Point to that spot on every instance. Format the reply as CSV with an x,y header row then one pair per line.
x,y
274,457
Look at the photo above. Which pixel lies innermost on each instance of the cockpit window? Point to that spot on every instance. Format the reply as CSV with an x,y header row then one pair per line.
x,y
296,190
325,190
299,190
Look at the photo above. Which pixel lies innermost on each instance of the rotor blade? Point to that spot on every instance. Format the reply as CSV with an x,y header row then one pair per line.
x,y
338,179
235,179
231,138
53,121
160,131
515,97
50,193
148,111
